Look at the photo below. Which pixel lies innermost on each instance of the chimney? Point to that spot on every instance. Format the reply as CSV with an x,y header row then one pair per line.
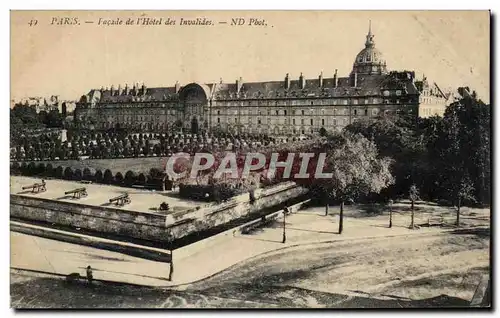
x,y
102,89
119,89
287,81
143,89
335,79
302,81
220,82
177,87
239,84
320,79
112,90
127,90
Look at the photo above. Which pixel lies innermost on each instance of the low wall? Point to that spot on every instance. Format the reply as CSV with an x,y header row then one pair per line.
x,y
147,226
140,225
241,229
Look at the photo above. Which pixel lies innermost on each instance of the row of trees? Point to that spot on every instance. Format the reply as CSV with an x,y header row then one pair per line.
x,y
446,158
128,179
24,118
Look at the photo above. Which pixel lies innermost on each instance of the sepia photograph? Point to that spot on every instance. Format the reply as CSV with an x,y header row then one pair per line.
x,y
250,159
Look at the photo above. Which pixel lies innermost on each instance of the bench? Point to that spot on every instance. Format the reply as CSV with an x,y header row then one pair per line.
x,y
435,220
121,200
36,187
77,193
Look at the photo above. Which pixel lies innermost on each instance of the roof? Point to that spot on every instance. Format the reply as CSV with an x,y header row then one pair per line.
x,y
367,85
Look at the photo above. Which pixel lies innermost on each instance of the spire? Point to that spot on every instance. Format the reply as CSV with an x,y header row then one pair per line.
x,y
369,37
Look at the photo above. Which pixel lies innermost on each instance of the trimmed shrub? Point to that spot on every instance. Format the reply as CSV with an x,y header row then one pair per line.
x,y
130,178
15,168
98,176
31,169
87,175
107,177
141,179
40,169
77,175
68,173
58,173
119,178
23,168
49,170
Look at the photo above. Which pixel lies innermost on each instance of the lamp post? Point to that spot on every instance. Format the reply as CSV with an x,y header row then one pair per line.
x,y
285,210
390,213
171,272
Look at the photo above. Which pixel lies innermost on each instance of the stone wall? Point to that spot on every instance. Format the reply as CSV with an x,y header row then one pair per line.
x,y
148,226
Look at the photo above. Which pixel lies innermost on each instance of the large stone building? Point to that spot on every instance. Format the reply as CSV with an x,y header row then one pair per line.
x,y
285,107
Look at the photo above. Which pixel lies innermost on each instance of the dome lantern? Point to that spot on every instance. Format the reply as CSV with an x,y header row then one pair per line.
x,y
370,59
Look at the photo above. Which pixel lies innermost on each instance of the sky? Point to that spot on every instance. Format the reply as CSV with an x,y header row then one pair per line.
x,y
452,48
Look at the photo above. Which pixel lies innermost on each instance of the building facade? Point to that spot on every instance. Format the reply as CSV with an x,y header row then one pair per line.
x,y
285,107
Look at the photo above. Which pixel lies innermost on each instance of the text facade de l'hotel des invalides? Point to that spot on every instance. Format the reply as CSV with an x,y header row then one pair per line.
x,y
284,107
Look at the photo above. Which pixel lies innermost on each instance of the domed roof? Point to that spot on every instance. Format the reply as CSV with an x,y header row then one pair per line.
x,y
370,60
369,55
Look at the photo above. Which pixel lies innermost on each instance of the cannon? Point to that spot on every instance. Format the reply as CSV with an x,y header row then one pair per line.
x,y
120,200
36,187
77,193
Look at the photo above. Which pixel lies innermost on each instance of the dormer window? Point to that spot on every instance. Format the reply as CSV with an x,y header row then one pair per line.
x,y
386,93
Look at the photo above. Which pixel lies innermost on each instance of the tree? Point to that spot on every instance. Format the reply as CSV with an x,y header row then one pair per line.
x,y
465,192
414,196
357,170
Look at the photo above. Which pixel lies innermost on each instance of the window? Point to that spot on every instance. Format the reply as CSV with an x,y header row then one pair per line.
x,y
312,122
303,112
345,101
386,93
367,101
258,121
322,112
218,120
322,122
235,120
355,112
293,121
334,122
355,101
284,112
312,103
366,112
218,112
302,121
398,93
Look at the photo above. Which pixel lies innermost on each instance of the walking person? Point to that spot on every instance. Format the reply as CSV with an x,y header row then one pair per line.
x,y
90,276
